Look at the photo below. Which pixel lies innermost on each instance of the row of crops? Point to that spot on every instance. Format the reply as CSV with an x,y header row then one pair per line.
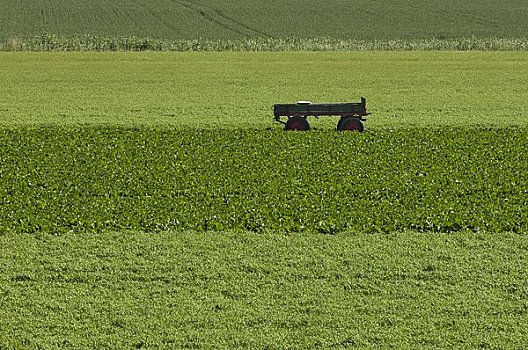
x,y
61,180
238,19
52,42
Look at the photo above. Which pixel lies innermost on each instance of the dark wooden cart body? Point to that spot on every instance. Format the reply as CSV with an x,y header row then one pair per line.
x,y
350,113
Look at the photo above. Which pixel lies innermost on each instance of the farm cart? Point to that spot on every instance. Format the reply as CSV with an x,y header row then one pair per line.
x,y
351,114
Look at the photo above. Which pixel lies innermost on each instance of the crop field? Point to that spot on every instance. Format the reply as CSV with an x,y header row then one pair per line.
x,y
238,89
94,179
192,19
234,290
148,201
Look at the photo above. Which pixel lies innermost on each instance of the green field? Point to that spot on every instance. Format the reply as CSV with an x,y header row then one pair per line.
x,y
92,179
184,19
184,290
238,90
147,200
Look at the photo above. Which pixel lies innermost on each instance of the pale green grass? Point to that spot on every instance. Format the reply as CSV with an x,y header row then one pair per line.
x,y
238,89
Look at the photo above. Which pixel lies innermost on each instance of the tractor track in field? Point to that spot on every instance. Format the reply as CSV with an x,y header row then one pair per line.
x,y
218,17
129,18
449,15
155,15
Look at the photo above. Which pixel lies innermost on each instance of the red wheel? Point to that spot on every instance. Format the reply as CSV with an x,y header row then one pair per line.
x,y
297,123
350,123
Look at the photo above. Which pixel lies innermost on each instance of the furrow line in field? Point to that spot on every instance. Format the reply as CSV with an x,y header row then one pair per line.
x,y
155,15
124,17
232,20
218,17
450,15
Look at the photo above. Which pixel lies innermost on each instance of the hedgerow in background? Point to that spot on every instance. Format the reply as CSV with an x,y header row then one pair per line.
x,y
52,42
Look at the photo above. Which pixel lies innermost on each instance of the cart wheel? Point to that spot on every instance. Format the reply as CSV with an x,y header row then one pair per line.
x,y
297,123
349,123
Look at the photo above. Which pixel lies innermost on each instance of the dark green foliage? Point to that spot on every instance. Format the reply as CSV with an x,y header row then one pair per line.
x,y
91,179
237,19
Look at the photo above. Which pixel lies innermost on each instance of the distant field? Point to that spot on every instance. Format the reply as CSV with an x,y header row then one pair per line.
x,y
238,90
190,19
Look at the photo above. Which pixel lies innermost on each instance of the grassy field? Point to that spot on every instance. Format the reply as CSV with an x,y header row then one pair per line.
x,y
149,202
184,290
238,90
191,19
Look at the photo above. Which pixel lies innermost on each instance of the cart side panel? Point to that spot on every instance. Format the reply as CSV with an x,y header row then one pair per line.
x,y
319,109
